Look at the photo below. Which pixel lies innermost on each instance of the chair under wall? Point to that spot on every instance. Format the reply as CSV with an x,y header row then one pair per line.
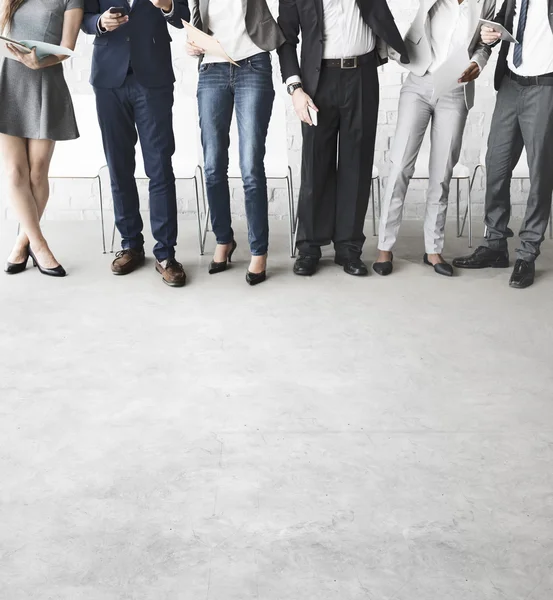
x,y
520,172
82,158
186,160
277,165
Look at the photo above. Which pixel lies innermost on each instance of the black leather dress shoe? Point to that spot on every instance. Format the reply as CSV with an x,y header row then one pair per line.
x,y
306,265
482,258
441,268
384,268
523,274
353,266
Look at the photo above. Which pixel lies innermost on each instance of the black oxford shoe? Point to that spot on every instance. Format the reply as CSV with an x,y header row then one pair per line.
x,y
483,258
441,268
306,265
353,266
523,274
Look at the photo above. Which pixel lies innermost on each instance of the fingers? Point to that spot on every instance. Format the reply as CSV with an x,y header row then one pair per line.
x,y
193,50
312,104
112,22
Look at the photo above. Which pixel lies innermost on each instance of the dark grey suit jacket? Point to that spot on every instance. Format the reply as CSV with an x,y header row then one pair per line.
x,y
506,16
260,25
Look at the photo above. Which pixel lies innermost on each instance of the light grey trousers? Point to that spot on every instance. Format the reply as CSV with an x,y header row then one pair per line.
x,y
523,117
448,115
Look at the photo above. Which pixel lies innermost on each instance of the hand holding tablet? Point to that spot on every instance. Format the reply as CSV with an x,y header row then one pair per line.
x,y
505,35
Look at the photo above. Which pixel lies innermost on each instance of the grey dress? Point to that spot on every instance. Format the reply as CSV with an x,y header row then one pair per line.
x,y
37,104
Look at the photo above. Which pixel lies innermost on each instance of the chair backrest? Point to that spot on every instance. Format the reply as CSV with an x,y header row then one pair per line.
x,y
276,155
83,157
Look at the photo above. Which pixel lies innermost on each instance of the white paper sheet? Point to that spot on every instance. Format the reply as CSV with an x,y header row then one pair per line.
x,y
446,76
42,48
206,42
506,36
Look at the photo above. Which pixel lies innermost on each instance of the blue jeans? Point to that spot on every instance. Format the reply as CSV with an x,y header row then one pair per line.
x,y
249,88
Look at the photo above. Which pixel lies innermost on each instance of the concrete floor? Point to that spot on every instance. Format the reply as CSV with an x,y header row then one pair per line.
x,y
325,438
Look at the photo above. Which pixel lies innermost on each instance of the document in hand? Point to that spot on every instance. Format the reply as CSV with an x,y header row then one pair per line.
x,y
206,42
446,76
505,35
42,48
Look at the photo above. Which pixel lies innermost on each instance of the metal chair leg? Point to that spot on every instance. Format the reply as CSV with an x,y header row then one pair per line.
x,y
290,214
294,250
379,197
102,214
471,185
469,210
458,216
374,207
198,212
113,237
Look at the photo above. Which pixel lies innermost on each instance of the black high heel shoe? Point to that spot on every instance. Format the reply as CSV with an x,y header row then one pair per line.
x,y
219,267
15,268
384,268
256,278
440,268
58,271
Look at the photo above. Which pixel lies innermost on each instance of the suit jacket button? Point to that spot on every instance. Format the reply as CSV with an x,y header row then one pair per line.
x,y
128,39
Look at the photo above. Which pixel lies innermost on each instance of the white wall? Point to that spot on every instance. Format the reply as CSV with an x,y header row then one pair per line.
x,y
78,200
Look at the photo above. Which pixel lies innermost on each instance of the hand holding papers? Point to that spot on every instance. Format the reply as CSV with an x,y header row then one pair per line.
x,y
446,76
25,46
505,35
206,42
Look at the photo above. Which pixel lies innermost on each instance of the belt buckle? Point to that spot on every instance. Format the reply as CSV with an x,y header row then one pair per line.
x,y
348,63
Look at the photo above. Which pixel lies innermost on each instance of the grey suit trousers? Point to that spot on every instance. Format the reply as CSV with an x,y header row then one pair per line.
x,y
416,110
523,117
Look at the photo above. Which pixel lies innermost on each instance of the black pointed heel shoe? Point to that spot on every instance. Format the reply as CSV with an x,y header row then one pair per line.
x,y
441,268
15,268
384,268
219,267
256,278
58,271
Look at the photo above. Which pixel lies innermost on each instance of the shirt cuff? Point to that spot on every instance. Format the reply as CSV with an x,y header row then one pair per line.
x,y
293,79
481,64
169,14
98,28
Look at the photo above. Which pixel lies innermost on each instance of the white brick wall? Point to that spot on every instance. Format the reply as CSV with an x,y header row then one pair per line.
x,y
78,200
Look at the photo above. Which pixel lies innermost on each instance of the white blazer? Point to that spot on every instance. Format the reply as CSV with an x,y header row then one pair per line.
x,y
417,40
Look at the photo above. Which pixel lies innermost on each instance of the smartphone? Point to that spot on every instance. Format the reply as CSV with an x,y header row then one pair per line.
x,y
118,10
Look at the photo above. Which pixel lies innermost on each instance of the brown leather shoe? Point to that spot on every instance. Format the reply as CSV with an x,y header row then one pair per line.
x,y
173,274
126,261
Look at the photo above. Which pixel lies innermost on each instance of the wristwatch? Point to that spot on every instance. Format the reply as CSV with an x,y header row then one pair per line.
x,y
293,87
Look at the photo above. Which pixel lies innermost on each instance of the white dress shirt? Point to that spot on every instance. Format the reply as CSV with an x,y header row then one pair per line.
x,y
227,22
449,30
537,47
345,32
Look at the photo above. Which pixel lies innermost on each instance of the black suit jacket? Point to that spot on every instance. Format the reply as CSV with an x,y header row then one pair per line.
x,y
506,16
144,42
307,16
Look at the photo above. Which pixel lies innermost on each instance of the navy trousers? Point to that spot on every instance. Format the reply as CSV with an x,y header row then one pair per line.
x,y
125,113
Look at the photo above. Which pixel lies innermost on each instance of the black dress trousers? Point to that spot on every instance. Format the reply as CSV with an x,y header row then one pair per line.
x,y
337,161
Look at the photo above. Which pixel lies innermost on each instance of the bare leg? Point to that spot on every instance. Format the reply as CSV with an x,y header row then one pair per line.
x,y
258,264
27,163
384,256
222,252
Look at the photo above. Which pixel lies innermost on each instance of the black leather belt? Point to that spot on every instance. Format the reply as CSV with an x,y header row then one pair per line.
x,y
348,63
546,79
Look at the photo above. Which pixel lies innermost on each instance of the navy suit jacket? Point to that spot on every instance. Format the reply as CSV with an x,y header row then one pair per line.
x,y
143,42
